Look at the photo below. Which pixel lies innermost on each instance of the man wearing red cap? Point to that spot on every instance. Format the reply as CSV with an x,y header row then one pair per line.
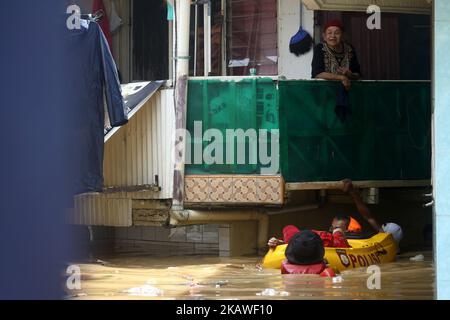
x,y
335,237
335,59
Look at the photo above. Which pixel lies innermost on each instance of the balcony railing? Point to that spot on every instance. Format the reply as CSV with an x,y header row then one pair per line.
x,y
386,137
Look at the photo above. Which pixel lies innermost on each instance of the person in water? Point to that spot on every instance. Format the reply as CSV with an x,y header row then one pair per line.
x,y
335,237
305,255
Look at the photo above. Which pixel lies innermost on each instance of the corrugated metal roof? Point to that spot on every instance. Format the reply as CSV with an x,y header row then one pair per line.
x,y
135,96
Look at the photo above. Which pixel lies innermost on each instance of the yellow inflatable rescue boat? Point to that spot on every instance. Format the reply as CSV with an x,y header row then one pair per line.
x,y
380,248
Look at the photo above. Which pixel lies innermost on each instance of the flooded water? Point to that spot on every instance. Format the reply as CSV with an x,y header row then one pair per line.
x,y
145,277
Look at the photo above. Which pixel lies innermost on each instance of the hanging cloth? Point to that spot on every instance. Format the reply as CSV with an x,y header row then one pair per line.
x,y
343,110
94,82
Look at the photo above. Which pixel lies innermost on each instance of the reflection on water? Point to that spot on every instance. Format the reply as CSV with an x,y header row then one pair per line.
x,y
144,277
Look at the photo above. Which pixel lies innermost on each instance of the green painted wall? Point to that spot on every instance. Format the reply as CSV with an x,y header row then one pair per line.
x,y
386,137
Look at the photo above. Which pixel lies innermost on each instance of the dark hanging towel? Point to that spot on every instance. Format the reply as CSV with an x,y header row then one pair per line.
x,y
343,109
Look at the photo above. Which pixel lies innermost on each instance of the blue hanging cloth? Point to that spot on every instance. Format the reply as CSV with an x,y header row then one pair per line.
x,y
94,79
343,109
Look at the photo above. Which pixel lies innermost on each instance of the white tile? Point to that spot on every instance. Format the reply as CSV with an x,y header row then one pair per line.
x,y
162,234
211,237
194,236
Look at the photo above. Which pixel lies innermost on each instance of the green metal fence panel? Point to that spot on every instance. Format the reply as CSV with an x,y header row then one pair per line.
x,y
220,104
387,136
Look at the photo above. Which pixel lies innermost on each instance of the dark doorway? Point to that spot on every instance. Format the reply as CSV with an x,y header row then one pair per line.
x,y
150,40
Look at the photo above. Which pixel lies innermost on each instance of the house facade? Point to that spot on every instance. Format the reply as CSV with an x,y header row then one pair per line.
x,y
262,145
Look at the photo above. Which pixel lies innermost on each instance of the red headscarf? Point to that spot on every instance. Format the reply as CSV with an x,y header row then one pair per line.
x,y
334,23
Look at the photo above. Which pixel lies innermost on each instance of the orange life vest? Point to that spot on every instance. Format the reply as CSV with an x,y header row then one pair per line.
x,y
354,225
319,268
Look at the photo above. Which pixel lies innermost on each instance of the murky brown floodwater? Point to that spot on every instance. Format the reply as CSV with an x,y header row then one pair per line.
x,y
144,277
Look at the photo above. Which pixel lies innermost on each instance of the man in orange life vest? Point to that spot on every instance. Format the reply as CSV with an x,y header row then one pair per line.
x,y
335,238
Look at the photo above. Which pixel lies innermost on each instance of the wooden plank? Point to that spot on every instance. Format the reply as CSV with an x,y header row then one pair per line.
x,y
358,184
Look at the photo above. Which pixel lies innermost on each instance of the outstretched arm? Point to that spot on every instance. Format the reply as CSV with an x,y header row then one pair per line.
x,y
362,208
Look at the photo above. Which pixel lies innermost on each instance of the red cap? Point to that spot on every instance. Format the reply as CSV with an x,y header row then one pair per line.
x,y
334,23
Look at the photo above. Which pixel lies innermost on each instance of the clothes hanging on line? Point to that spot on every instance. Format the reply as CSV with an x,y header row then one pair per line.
x,y
95,80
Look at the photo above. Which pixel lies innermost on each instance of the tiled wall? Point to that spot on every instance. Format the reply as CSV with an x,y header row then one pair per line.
x,y
202,239
234,189
211,239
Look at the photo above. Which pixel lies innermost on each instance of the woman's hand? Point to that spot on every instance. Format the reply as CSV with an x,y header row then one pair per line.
x,y
346,82
345,72
274,242
348,73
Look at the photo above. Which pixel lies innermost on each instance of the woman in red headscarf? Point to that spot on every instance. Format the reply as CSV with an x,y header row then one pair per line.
x,y
335,59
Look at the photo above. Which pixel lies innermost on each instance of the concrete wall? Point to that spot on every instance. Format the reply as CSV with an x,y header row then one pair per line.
x,y
238,239
289,65
195,240
225,240
190,240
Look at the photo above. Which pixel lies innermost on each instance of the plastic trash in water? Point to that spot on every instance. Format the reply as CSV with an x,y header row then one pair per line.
x,y
268,292
272,292
418,258
145,291
195,284
221,283
338,279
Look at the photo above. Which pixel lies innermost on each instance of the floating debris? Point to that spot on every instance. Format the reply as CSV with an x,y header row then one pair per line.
x,y
195,284
221,283
418,258
272,293
259,267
